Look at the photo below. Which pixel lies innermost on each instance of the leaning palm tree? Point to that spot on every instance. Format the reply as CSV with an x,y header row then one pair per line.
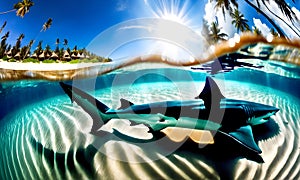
x,y
28,47
239,21
3,26
215,33
17,46
258,9
21,8
47,25
3,45
226,5
288,12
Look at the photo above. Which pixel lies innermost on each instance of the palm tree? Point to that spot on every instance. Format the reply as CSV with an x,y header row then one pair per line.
x,y
28,47
21,8
47,25
17,47
239,21
57,43
66,43
256,31
273,32
215,33
39,49
3,26
225,5
3,45
288,13
47,51
278,29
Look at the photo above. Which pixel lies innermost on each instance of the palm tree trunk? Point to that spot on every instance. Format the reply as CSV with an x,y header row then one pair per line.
x,y
278,29
12,10
295,31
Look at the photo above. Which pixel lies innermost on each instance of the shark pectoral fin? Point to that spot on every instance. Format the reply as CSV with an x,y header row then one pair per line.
x,y
125,103
244,136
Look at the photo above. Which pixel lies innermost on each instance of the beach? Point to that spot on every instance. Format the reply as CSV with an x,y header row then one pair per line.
x,y
44,66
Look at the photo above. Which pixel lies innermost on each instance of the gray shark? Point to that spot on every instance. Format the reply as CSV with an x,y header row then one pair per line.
x,y
209,111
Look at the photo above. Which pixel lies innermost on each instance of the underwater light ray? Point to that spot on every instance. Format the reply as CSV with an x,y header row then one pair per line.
x,y
31,152
17,164
24,156
43,138
190,165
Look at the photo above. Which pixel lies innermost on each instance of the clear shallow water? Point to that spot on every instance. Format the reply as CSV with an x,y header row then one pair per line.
x,y
44,135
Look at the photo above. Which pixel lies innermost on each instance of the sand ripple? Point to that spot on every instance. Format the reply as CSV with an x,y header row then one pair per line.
x,y
51,140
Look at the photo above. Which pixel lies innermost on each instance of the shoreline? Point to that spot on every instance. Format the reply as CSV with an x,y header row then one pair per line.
x,y
44,66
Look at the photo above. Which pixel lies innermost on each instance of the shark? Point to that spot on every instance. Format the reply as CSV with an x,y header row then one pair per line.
x,y
210,110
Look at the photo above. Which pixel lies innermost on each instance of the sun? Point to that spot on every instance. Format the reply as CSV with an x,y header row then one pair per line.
x,y
173,10
173,17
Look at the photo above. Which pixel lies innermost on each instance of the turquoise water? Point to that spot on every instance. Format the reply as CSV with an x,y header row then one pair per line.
x,y
45,136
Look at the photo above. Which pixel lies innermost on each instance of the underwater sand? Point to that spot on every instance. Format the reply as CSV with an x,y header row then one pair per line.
x,y
49,139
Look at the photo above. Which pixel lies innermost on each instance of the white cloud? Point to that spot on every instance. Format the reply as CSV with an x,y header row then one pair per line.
x,y
282,24
265,30
212,14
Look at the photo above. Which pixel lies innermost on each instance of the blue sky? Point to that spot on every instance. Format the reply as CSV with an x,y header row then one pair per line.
x,y
81,21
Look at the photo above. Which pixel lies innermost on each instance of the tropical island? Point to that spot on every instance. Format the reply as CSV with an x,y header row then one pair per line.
x,y
64,57
16,53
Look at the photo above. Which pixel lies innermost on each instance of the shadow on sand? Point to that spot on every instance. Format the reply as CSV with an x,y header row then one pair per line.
x,y
222,156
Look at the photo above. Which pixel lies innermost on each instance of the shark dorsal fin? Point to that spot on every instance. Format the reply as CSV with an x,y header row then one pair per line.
x,y
244,136
125,103
211,94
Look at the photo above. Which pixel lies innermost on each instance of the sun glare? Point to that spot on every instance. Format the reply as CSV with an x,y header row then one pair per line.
x,y
173,10
173,17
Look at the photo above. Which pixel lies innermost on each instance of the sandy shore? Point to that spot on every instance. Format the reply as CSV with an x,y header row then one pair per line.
x,y
11,71
44,66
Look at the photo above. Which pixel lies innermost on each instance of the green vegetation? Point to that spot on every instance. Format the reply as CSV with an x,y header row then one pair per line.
x,y
32,60
12,60
95,60
49,61
74,61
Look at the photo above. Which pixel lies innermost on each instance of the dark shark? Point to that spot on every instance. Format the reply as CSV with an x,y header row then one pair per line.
x,y
209,111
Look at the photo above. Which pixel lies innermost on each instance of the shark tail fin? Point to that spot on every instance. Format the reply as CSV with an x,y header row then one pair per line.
x,y
87,102
211,94
69,90
244,136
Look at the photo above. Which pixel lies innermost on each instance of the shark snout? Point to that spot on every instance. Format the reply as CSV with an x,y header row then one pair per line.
x,y
260,113
264,110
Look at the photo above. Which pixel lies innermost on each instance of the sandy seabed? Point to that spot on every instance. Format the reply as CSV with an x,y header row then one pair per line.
x,y
38,142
